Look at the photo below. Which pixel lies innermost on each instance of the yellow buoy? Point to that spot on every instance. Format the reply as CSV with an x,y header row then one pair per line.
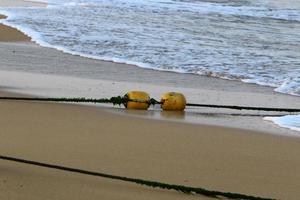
x,y
173,101
137,100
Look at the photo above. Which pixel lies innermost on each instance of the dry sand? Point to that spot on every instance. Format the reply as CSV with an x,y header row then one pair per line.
x,y
93,138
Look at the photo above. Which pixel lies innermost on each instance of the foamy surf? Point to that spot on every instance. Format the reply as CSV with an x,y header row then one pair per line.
x,y
146,42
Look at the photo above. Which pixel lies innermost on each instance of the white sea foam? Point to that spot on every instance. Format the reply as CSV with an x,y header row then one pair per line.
x,y
289,121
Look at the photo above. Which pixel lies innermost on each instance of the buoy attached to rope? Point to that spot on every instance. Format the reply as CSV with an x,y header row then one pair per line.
x,y
173,101
167,102
137,100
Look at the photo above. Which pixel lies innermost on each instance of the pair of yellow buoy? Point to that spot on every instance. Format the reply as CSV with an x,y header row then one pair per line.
x,y
139,100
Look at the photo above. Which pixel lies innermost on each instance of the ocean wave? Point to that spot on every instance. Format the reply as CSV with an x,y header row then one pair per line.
x,y
219,8
202,7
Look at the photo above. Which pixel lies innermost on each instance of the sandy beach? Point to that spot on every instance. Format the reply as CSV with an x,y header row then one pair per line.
x,y
85,137
216,151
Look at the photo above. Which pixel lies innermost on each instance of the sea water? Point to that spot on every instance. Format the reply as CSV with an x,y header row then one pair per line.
x,y
255,41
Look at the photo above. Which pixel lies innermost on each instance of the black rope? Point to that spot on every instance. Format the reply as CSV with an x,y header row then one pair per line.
x,y
123,100
154,184
239,114
245,107
115,100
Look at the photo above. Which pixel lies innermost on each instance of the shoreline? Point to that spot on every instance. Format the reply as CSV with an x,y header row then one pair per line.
x,y
25,38
111,74
129,63
113,79
10,34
